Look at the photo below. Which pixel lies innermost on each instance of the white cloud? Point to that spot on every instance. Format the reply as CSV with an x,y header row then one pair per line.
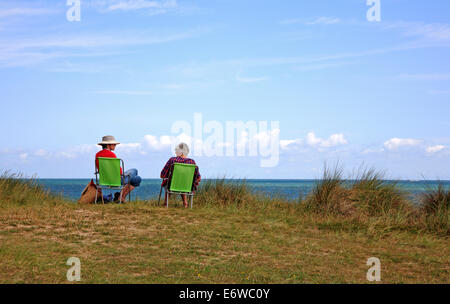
x,y
41,153
165,141
129,5
317,21
68,155
209,69
28,51
122,38
76,151
265,137
322,66
424,76
174,86
284,144
332,141
5,151
250,79
23,156
323,21
127,92
372,150
434,149
395,143
426,32
434,31
130,148
24,11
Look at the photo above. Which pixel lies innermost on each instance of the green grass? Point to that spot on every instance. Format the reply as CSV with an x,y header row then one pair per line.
x,y
231,236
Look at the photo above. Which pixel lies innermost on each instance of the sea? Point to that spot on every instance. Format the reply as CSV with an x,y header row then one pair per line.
x,y
291,189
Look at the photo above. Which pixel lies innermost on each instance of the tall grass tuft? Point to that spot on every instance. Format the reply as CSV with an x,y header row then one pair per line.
x,y
376,196
435,208
15,189
329,195
365,195
222,192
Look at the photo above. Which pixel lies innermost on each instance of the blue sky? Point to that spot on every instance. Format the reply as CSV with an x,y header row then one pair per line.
x,y
342,88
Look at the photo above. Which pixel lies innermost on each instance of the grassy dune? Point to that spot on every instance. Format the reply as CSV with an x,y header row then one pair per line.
x,y
231,236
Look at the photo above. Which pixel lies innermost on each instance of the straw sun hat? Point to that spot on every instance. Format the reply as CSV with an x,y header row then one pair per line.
x,y
108,140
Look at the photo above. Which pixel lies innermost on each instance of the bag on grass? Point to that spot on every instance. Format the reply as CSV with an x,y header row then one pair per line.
x,y
88,194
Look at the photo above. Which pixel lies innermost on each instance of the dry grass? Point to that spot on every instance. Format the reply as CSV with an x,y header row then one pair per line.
x,y
372,200
435,208
16,190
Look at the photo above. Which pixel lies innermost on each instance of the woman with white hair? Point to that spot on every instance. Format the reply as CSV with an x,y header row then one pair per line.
x,y
181,151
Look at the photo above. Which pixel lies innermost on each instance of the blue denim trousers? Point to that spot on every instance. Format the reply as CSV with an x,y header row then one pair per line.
x,y
132,177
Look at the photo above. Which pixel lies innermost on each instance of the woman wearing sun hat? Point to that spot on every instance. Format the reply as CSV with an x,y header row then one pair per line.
x,y
132,178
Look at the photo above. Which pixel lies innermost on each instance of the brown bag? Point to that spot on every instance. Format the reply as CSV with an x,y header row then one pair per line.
x,y
88,194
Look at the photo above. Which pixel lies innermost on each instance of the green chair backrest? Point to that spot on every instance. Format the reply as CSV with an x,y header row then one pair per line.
x,y
182,177
109,171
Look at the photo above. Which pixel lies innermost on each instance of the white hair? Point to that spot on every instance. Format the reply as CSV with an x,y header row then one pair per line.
x,y
182,149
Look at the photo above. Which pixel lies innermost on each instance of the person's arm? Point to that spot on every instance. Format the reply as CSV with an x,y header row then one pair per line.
x,y
165,170
197,173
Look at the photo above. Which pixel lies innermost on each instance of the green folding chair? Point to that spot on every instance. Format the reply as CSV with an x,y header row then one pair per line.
x,y
180,181
108,175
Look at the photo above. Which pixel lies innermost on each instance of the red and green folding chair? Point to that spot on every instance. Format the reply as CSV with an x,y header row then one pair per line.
x,y
180,181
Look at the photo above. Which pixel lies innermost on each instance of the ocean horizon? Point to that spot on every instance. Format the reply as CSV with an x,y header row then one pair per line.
x,y
290,189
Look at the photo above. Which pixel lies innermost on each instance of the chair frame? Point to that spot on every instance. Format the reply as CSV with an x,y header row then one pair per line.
x,y
97,183
168,192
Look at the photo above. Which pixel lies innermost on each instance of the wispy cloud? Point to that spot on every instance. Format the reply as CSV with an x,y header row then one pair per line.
x,y
24,11
288,143
125,92
317,21
82,67
131,5
123,38
297,36
431,76
322,66
26,52
243,79
372,150
205,69
427,32
323,21
150,7
174,86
